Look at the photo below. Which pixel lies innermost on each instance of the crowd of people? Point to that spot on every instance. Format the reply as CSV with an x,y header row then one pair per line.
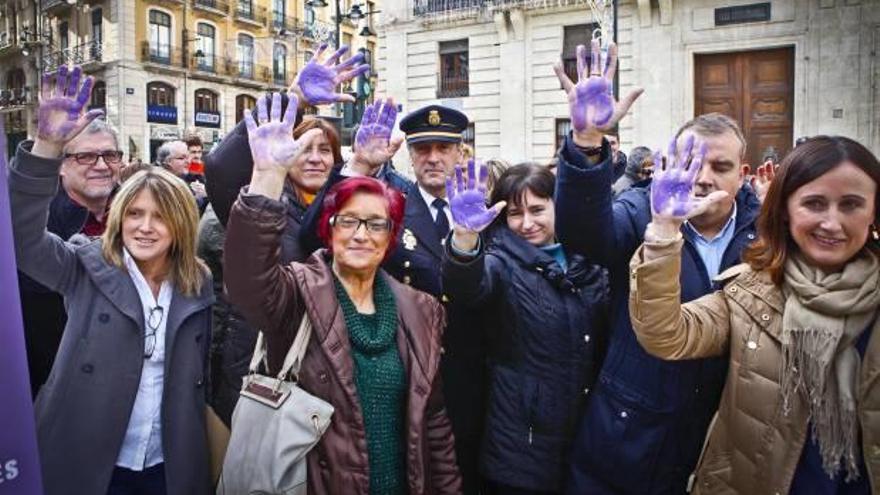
x,y
659,323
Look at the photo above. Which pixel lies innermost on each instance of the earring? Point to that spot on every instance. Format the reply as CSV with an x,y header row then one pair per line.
x,y
875,234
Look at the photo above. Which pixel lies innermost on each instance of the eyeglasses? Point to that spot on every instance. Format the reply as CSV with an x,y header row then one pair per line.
x,y
154,319
348,223
91,158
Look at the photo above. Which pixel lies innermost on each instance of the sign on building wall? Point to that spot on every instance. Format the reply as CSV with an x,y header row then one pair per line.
x,y
208,119
161,114
19,464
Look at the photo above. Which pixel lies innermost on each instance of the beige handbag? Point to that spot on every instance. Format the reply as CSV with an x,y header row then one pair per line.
x,y
274,425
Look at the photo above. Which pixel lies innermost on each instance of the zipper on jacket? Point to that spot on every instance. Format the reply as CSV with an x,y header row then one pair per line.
x,y
530,434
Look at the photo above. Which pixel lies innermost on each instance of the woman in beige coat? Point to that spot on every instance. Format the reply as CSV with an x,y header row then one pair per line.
x,y
801,407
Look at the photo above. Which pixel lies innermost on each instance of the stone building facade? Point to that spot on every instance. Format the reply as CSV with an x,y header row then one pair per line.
x,y
783,68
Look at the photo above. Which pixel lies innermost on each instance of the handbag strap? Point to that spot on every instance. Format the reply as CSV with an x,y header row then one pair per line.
x,y
295,355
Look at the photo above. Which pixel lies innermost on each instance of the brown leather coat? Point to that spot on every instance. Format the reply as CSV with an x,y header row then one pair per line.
x,y
274,298
752,447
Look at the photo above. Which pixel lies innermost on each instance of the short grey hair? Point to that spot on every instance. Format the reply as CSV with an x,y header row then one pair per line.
x,y
714,124
97,126
164,151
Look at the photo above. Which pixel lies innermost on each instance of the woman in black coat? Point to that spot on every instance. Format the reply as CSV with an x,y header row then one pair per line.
x,y
545,316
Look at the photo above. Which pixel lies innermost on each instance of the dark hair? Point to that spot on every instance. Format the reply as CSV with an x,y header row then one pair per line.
x,y
804,164
342,192
327,128
131,169
194,140
522,177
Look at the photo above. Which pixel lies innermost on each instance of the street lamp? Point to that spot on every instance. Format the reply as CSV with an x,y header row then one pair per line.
x,y
355,14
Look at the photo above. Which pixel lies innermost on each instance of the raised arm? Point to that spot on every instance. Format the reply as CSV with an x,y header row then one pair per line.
x,y
664,326
468,277
34,178
584,221
256,282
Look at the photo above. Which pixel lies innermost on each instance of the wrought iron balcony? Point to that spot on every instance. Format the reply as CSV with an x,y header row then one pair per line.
x,y
161,54
14,97
84,54
452,87
422,8
216,7
250,13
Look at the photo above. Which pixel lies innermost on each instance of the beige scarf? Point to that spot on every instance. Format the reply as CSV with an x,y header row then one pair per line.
x,y
824,315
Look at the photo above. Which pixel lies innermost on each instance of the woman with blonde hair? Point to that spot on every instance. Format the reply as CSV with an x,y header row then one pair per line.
x,y
123,410
800,411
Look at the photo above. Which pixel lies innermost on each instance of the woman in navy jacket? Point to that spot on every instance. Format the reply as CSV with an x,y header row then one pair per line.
x,y
545,320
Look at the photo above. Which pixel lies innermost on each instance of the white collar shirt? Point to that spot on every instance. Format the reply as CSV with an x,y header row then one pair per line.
x,y
142,445
429,200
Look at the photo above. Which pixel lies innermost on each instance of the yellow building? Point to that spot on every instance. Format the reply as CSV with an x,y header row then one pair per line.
x,y
170,68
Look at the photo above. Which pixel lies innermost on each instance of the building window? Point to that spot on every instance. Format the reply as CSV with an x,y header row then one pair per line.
x,y
246,8
160,36
160,94
206,43
97,26
563,126
346,39
246,56
161,103
573,36
310,16
307,55
279,64
242,103
453,80
206,100
64,35
279,12
371,6
99,95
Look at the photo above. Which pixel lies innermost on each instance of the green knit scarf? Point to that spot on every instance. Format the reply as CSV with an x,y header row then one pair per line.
x,y
381,385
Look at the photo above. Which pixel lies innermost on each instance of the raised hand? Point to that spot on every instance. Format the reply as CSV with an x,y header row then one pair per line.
x,y
591,106
373,142
272,144
467,202
60,116
318,80
763,178
672,198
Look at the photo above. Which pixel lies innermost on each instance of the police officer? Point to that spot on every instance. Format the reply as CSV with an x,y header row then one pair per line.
x,y
433,137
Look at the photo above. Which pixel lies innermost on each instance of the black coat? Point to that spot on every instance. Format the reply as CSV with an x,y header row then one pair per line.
x,y
545,330
644,427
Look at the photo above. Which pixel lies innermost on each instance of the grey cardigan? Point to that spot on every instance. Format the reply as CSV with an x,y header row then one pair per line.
x,y
83,409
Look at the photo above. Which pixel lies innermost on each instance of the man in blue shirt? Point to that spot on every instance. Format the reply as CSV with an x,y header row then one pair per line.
x,y
646,419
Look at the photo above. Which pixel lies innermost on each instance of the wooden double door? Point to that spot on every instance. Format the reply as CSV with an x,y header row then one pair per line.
x,y
756,88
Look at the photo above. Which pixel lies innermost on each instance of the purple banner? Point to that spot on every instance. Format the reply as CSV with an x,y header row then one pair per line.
x,y
19,464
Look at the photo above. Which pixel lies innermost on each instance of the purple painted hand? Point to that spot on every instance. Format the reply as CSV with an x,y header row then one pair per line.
x,y
373,142
467,202
60,116
672,187
591,106
318,80
272,144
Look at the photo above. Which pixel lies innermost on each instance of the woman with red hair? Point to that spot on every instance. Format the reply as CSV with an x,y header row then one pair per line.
x,y
376,354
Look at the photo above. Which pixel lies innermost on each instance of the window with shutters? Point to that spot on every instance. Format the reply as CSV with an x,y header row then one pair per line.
x,y
242,103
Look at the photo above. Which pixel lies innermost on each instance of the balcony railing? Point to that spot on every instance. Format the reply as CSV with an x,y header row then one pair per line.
x,y
318,31
423,8
248,12
452,87
14,97
291,25
50,5
219,7
84,54
161,54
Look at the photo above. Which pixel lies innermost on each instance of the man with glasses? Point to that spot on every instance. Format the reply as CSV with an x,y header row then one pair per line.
x,y
89,176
